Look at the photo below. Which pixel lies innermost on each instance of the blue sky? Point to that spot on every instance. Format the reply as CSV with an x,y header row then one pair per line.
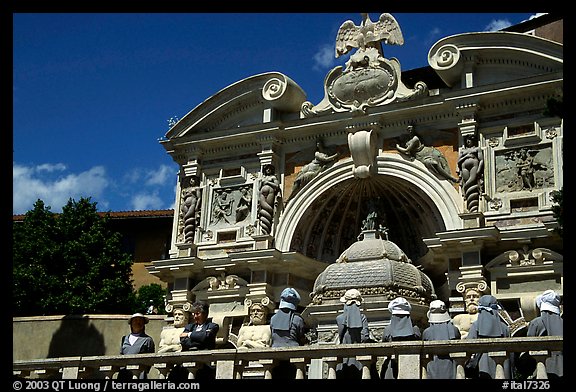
x,y
93,92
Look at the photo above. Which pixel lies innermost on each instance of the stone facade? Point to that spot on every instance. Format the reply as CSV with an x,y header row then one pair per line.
x,y
374,142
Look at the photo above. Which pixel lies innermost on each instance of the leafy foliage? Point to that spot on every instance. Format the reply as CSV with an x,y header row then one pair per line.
x,y
69,263
557,209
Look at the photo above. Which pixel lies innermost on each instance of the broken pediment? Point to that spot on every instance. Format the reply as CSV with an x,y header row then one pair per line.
x,y
476,59
251,101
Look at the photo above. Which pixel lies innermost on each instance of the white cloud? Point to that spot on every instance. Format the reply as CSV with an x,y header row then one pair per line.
x,y
162,176
31,183
49,167
325,57
143,201
497,24
433,35
537,15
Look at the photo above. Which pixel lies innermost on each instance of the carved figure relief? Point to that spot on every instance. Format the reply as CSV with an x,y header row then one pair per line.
x,y
231,206
244,204
432,158
471,171
190,210
222,207
269,193
320,163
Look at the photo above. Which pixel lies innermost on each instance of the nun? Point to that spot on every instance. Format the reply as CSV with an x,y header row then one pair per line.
x,y
441,328
352,328
549,323
288,329
400,329
489,325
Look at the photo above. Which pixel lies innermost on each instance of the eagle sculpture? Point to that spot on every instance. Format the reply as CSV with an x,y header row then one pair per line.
x,y
368,34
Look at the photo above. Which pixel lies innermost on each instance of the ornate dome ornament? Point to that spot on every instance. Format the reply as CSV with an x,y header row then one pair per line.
x,y
375,266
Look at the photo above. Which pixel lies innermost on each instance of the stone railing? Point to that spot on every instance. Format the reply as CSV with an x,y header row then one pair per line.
x,y
312,362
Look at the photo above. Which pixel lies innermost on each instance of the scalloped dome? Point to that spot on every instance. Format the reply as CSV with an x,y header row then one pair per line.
x,y
375,267
372,248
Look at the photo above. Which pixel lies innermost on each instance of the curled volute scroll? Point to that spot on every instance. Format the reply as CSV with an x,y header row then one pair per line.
x,y
446,60
283,93
369,79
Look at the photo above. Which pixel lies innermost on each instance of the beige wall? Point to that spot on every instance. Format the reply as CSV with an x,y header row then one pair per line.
x,y
66,336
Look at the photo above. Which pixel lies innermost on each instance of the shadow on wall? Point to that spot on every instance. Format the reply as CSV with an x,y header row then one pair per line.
x,y
76,336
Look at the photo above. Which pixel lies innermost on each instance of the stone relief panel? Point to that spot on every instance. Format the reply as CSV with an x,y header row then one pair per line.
x,y
524,169
231,206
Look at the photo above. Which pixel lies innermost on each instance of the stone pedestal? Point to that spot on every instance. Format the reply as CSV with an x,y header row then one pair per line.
x,y
472,220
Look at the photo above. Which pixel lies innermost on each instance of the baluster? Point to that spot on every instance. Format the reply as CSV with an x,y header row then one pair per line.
x,y
540,356
460,360
331,362
239,369
499,357
70,373
424,359
109,371
267,365
300,364
366,361
163,369
192,368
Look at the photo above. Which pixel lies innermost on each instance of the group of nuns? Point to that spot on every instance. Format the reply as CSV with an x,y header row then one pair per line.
x,y
353,328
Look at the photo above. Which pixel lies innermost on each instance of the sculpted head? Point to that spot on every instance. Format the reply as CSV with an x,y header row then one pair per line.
x,y
258,314
471,297
180,318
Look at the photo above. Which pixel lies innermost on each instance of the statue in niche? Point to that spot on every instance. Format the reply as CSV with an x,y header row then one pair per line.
x,y
433,159
320,163
269,189
190,208
471,170
222,208
244,204
256,334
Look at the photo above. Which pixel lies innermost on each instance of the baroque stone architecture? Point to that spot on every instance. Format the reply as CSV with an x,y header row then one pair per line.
x,y
457,162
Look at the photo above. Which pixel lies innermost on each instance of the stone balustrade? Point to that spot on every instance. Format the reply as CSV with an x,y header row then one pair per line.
x,y
312,362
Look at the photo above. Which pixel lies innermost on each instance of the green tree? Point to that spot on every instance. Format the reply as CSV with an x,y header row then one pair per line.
x,y
69,263
151,294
